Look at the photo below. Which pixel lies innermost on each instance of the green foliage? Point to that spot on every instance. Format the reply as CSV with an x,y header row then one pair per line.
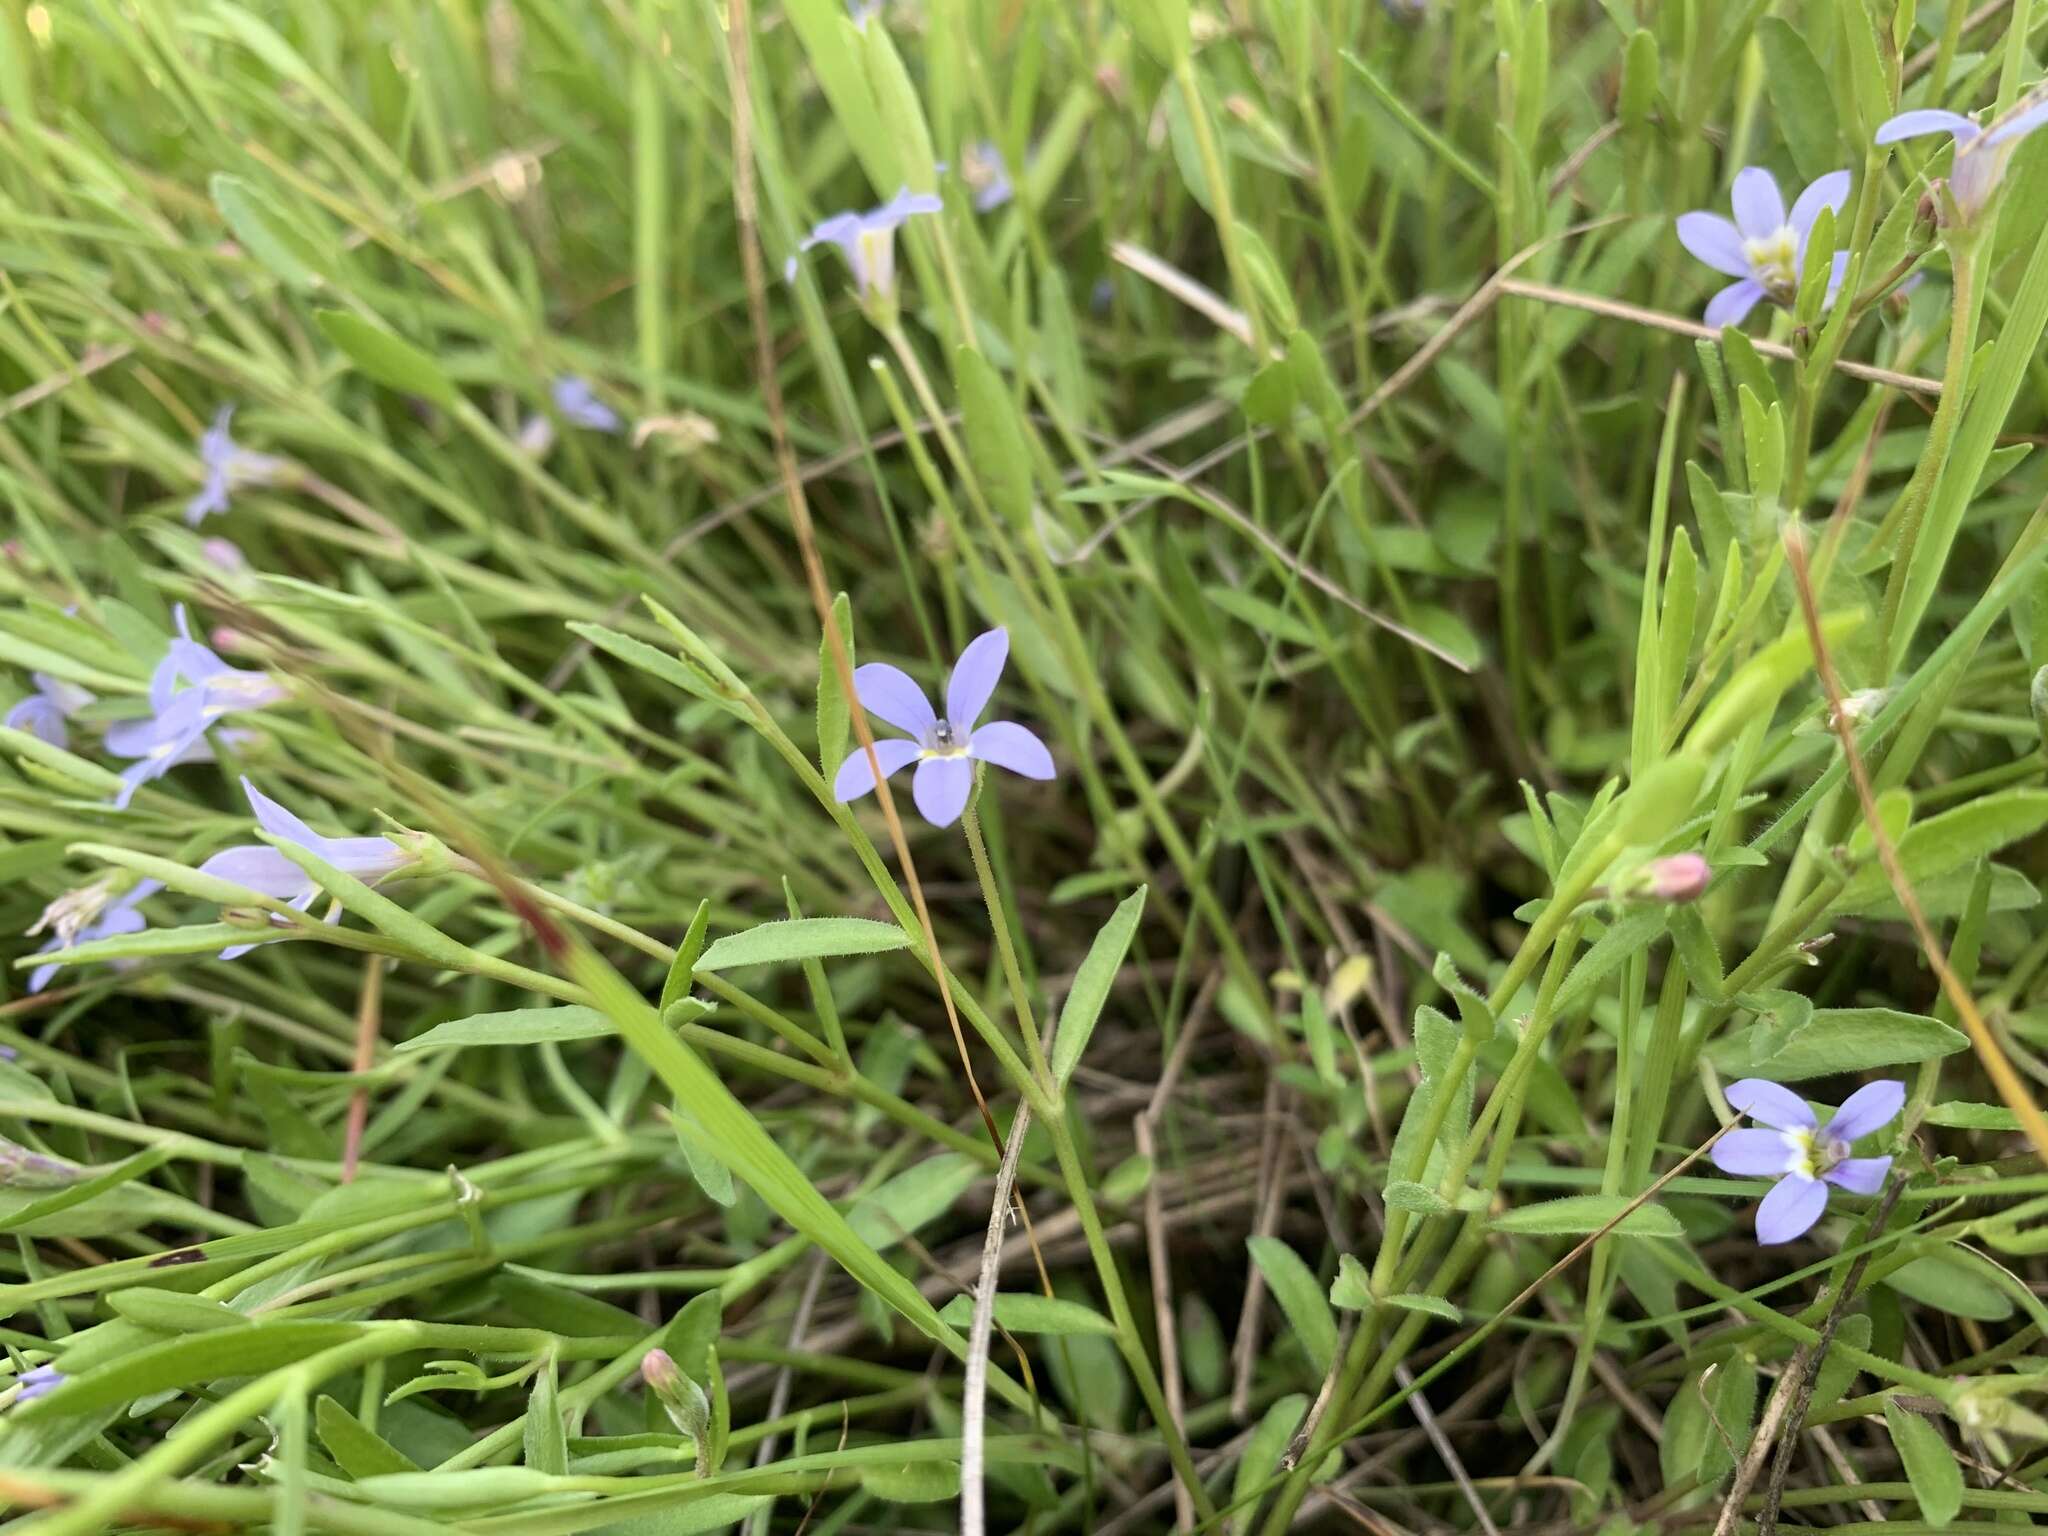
x,y
1392,575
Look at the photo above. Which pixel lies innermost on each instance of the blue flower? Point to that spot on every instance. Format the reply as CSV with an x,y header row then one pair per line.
x,y
40,1382
1981,153
946,748
228,466
987,177
1803,1156
81,916
45,712
868,241
263,869
580,407
1766,246
174,731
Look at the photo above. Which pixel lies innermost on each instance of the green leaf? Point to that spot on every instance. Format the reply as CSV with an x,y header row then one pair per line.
x,y
1761,681
913,1482
1580,1215
515,1026
173,1312
1953,839
1269,398
1083,1007
1936,1280
1407,1195
545,1439
676,985
1832,1381
658,663
833,711
1295,1287
1958,1114
387,357
1027,1312
802,938
1840,1040
913,1197
1435,1306
1931,1467
356,1448
995,440
185,1362
1351,1291
276,241
467,1488
1260,1458
1800,98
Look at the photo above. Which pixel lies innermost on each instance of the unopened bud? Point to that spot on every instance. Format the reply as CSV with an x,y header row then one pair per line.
x,y
660,1372
1681,877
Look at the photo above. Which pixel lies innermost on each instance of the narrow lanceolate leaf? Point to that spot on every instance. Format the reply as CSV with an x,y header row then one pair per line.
x,y
386,356
802,938
516,1026
1092,982
1295,1287
1577,1215
1025,1312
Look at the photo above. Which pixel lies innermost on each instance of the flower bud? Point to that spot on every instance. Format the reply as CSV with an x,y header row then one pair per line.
x,y
1679,878
40,1382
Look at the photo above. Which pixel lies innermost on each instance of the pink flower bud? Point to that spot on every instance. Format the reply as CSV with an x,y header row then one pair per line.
x,y
1681,877
659,1371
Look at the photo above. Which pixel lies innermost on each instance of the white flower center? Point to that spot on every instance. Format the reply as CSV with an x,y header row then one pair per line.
x,y
1773,261
1811,1154
944,741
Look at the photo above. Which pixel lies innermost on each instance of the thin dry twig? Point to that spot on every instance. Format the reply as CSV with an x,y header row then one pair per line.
x,y
1678,325
974,1393
1996,1064
369,1020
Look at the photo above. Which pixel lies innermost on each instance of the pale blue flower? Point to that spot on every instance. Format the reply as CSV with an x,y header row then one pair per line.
x,y
45,712
228,466
1804,1156
987,177
945,748
261,868
82,916
1981,153
1765,247
40,1382
174,731
868,240
580,407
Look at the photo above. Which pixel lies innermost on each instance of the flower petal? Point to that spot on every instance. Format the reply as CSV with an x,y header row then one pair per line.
x,y
1715,241
1732,304
1751,1153
1859,1175
366,858
974,678
941,787
262,869
1837,270
1793,1205
279,822
855,778
1009,745
2020,125
1768,1104
1869,1108
40,717
1829,191
1759,206
1911,125
889,692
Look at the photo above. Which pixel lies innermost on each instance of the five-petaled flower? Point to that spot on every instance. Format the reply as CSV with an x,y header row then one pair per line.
x,y
1981,153
1765,248
1805,1156
175,729
268,872
868,241
945,748
229,466
44,712
81,916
